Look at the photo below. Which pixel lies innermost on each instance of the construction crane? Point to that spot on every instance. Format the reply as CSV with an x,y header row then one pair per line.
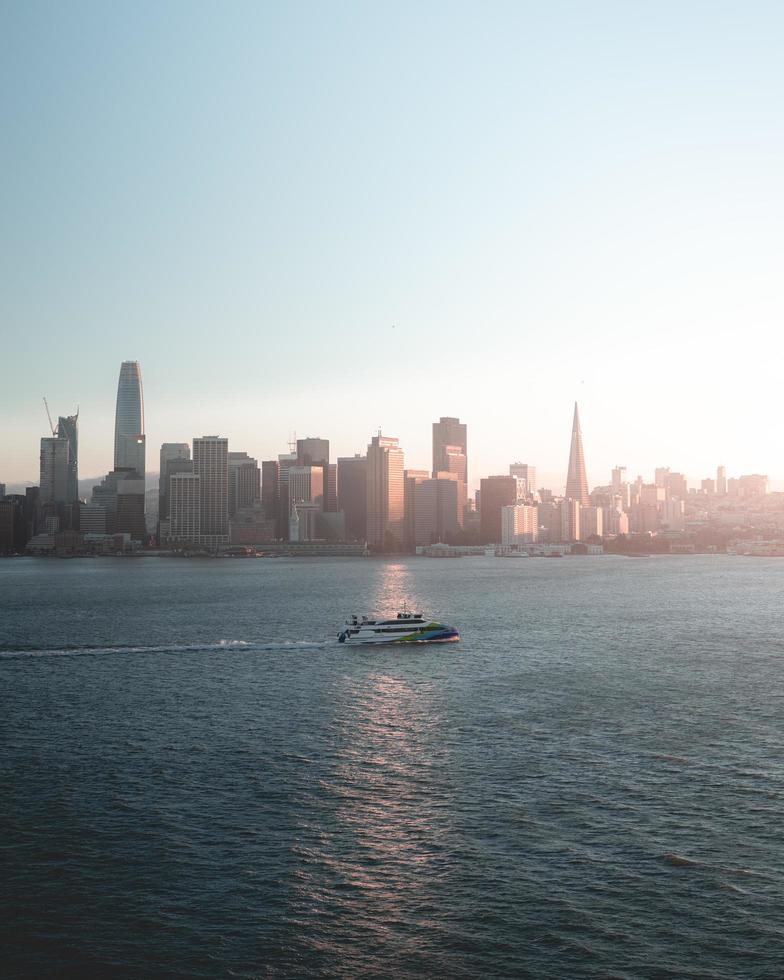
x,y
49,416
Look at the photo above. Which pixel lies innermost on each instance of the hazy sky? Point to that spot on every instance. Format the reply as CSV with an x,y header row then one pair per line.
x,y
330,217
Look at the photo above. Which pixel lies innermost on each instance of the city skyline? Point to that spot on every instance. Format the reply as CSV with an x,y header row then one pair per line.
x,y
595,220
417,445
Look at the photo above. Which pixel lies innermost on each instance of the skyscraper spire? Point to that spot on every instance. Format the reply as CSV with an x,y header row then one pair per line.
x,y
576,480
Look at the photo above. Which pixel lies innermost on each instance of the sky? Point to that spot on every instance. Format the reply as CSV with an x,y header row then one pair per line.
x,y
333,218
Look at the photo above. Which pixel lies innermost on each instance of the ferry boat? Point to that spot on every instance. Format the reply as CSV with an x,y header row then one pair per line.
x,y
405,627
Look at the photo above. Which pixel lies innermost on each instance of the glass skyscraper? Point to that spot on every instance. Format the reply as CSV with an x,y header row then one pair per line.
x,y
129,442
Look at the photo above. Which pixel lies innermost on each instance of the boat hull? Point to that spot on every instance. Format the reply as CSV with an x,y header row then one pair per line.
x,y
435,634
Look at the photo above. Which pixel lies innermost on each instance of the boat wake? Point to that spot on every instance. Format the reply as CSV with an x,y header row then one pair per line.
x,y
243,646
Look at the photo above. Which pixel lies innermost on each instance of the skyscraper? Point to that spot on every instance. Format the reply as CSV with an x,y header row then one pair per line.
x,y
524,472
314,451
244,482
385,506
68,429
496,493
576,480
211,465
721,480
352,494
449,432
175,458
129,440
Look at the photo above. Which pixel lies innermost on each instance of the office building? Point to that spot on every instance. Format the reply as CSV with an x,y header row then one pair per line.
x,y
244,482
721,481
211,465
576,480
129,515
519,523
435,508
175,457
385,497
270,477
570,519
450,434
54,471
184,520
129,439
591,522
306,486
352,494
525,473
285,462
497,492
411,480
68,429
314,451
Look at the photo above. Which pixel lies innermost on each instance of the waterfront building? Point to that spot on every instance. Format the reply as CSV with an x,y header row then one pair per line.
x,y
175,457
129,439
591,522
435,508
303,518
211,464
576,480
497,492
352,494
184,519
285,462
385,494
92,519
270,477
244,482
671,515
411,479
519,523
129,513
570,519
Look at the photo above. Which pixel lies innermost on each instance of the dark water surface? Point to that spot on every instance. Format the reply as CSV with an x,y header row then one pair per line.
x,y
196,780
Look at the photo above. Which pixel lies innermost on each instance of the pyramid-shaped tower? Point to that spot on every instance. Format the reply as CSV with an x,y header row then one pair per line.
x,y
576,480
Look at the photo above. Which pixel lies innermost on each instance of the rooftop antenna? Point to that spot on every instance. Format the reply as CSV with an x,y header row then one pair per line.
x,y
49,416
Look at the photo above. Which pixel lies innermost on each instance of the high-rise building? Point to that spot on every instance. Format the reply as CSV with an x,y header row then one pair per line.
x,y
244,482
497,492
314,451
450,432
270,479
54,471
2,490
576,480
175,458
618,478
211,464
352,494
435,508
306,486
285,462
570,519
129,515
68,429
519,524
411,480
129,439
526,473
385,503
184,521
721,480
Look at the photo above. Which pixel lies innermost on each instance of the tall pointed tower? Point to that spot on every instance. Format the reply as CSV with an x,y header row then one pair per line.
x,y
576,480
